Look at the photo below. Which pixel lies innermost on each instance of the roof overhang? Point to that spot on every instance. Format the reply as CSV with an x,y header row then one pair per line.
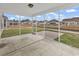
x,y
38,9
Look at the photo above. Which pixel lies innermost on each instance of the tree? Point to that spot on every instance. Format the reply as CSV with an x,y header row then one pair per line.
x,y
26,20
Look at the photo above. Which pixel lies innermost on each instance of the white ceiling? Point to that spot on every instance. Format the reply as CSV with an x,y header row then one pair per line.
x,y
39,8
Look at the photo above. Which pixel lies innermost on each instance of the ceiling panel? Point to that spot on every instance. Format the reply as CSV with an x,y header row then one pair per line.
x,y
39,8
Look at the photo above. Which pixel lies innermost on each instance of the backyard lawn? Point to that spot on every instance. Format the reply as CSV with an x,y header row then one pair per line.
x,y
70,39
14,32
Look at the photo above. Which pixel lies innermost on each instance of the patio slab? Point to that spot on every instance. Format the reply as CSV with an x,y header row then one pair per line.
x,y
36,45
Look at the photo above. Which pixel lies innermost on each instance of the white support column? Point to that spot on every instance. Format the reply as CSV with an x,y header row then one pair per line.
x,y
59,32
19,19
6,24
36,27
44,27
20,25
0,22
32,25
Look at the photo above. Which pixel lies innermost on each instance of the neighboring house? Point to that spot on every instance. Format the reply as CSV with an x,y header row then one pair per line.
x,y
54,22
26,21
12,23
40,22
15,23
71,22
9,23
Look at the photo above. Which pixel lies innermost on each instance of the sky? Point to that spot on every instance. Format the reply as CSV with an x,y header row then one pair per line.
x,y
66,13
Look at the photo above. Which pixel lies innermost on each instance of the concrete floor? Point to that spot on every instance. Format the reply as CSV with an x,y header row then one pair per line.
x,y
36,45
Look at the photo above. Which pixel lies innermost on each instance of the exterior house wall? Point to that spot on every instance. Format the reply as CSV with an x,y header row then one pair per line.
x,y
12,23
1,22
5,18
72,23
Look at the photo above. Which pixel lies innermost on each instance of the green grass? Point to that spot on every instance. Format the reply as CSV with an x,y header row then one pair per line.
x,y
9,33
14,32
70,39
52,30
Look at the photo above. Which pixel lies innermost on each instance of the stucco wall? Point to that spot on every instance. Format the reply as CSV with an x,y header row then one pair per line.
x,y
1,23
